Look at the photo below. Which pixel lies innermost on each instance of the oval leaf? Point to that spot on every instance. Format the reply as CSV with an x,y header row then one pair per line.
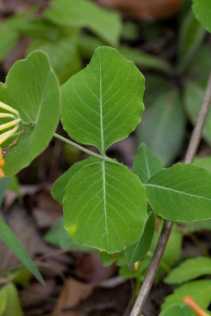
x,y
31,88
105,206
97,100
84,13
181,193
189,269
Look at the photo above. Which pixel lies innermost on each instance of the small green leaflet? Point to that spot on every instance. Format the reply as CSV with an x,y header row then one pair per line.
x,y
202,11
189,269
200,291
181,193
146,164
97,100
10,240
31,88
84,13
104,206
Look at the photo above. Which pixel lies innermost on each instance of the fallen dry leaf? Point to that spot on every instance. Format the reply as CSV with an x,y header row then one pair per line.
x,y
142,9
72,294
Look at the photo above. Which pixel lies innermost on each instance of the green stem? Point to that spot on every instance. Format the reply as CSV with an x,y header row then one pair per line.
x,y
81,148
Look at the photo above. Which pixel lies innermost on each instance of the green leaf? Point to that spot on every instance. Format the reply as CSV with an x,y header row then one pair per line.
x,y
84,13
181,193
9,301
199,69
198,290
63,56
202,11
139,250
105,206
189,269
178,310
59,186
10,240
190,38
163,126
194,95
146,164
31,88
97,100
9,39
203,162
59,237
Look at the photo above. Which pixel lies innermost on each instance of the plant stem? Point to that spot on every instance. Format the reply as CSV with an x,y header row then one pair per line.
x,y
167,227
81,148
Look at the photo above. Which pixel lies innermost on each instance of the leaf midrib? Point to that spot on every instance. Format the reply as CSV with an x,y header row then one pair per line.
x,y
177,192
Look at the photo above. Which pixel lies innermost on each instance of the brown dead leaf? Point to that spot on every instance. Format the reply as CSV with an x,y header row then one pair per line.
x,y
72,294
145,9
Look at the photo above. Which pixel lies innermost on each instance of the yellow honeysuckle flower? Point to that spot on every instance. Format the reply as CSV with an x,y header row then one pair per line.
x,y
6,135
10,123
8,108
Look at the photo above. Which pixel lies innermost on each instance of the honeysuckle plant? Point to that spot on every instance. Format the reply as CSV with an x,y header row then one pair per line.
x,y
107,207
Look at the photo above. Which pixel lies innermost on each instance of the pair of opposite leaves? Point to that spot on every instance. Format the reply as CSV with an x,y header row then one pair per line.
x,y
105,204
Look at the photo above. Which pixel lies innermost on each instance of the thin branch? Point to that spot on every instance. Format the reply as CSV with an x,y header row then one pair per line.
x,y
167,227
81,148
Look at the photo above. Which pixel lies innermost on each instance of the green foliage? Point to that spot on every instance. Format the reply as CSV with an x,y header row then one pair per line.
x,y
181,193
11,241
194,95
146,164
203,162
84,13
178,310
198,290
190,39
100,190
101,99
9,301
164,139
59,237
189,269
139,250
202,11
32,89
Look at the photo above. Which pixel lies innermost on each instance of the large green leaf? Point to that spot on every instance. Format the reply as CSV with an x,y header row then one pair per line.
x,y
163,126
84,13
9,301
202,10
181,193
200,291
59,186
97,100
189,269
31,88
194,95
104,206
10,240
146,164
